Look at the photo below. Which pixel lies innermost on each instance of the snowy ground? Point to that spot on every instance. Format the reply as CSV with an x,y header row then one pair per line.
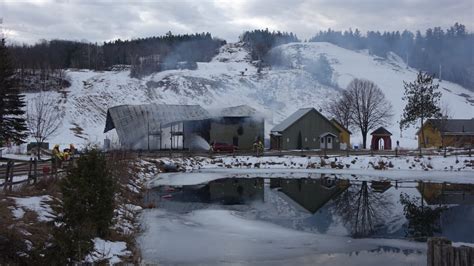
x,y
125,214
436,168
38,204
108,250
276,93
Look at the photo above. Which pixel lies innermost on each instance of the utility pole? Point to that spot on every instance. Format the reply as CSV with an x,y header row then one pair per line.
x,y
440,69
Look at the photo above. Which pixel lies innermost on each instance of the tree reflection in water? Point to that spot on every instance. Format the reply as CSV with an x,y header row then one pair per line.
x,y
361,209
423,221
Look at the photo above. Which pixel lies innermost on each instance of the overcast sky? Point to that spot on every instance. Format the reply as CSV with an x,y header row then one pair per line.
x,y
101,20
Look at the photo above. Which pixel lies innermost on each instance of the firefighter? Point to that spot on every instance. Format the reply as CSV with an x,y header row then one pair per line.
x,y
260,147
72,149
57,157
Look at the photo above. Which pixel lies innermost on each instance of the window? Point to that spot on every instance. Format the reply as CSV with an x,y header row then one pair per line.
x,y
314,139
305,139
322,140
287,139
329,139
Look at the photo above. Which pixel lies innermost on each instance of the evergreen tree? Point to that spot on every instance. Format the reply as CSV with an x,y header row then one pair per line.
x,y
87,207
12,122
422,98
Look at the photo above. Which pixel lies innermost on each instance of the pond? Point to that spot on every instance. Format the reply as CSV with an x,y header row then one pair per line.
x,y
307,221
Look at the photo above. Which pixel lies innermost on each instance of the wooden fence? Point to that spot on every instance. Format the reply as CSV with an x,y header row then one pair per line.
x,y
442,253
32,169
35,169
322,153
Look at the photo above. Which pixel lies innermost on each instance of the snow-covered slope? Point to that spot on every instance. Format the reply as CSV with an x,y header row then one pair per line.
x,y
231,79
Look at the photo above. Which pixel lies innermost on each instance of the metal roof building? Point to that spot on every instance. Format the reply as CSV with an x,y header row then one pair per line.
x,y
163,126
136,123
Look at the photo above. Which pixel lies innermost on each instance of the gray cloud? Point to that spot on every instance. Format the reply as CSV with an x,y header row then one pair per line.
x,y
101,20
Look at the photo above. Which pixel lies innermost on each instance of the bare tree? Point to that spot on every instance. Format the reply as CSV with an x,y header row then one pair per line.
x,y
340,108
362,209
369,107
43,119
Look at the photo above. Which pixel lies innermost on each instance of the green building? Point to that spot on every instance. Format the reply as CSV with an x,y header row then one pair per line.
x,y
305,129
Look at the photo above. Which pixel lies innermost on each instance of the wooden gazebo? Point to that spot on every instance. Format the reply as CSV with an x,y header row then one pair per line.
x,y
381,134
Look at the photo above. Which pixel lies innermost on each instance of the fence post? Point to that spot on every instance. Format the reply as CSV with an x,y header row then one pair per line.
x,y
441,252
7,173
10,174
29,169
35,170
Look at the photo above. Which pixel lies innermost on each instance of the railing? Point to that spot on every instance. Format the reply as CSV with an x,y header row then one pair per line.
x,y
32,169
35,169
321,153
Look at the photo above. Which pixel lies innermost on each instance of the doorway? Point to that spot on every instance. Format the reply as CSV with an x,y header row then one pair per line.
x,y
328,142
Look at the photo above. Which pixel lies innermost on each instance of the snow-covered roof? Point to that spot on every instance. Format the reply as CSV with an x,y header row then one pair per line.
x,y
237,111
136,123
154,114
291,119
165,114
453,126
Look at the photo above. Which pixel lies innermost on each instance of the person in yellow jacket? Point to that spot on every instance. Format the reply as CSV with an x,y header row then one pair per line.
x,y
57,157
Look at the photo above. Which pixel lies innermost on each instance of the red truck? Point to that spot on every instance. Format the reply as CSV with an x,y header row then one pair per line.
x,y
222,147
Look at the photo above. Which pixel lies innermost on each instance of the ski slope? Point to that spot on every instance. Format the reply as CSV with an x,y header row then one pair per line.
x,y
231,79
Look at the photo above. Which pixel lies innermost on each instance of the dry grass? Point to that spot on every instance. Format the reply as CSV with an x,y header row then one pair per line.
x,y
23,240
125,171
29,236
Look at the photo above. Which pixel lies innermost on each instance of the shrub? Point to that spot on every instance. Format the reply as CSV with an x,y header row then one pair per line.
x,y
86,209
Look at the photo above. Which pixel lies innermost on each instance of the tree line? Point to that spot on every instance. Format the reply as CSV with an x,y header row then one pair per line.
x,y
447,54
60,54
261,41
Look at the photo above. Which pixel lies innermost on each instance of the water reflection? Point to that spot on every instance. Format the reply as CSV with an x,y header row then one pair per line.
x,y
362,209
335,206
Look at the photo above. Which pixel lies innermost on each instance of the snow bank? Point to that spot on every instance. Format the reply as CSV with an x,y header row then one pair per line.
x,y
206,175
202,169
107,250
37,204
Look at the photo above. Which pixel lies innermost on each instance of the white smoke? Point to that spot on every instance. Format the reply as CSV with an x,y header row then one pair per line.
x,y
197,143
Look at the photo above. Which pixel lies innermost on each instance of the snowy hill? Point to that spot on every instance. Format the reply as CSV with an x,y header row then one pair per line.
x,y
231,79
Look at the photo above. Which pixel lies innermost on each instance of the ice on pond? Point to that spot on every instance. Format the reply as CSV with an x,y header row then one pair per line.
x,y
278,221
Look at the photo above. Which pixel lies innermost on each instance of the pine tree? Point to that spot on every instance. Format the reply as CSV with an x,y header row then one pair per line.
x,y
12,121
422,98
87,206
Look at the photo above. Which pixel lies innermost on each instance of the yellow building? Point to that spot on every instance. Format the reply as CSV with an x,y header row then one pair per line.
x,y
447,133
344,136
